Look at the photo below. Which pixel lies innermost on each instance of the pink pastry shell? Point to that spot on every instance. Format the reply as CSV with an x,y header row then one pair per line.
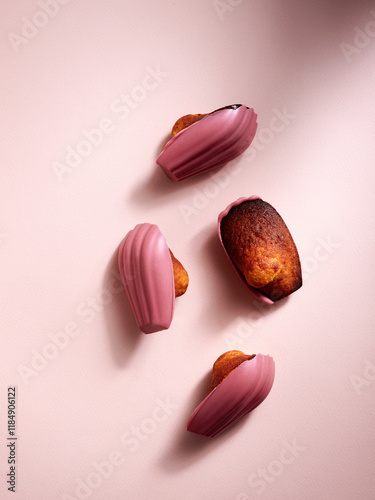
x,y
240,392
208,143
146,271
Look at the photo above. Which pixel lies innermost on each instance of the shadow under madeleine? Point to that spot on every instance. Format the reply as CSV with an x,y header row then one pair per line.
x,y
236,300
123,332
187,448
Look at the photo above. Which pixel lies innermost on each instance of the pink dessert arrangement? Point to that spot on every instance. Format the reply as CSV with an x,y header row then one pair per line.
x,y
202,142
152,277
256,241
239,383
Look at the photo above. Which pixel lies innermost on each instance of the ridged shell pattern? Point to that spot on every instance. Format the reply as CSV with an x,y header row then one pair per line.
x,y
238,394
208,143
259,295
146,271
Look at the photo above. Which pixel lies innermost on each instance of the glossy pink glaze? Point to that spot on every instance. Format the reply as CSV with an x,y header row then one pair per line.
x,y
259,295
208,143
146,271
238,394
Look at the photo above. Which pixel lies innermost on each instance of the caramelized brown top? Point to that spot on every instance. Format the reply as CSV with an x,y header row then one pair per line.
x,y
261,246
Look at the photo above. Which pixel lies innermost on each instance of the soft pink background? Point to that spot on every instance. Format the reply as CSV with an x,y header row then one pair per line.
x,y
59,240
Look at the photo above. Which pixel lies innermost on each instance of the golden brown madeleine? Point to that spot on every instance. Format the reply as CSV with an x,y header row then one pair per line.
x,y
260,245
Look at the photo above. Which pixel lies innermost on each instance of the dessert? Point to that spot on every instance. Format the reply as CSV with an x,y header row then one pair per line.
x,y
152,277
240,382
205,141
261,248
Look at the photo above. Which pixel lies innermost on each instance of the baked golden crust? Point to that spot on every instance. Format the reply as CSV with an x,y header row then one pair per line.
x,y
225,364
186,121
261,246
180,275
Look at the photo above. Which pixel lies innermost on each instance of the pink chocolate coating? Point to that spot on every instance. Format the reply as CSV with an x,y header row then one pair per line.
x,y
259,295
146,271
208,143
239,393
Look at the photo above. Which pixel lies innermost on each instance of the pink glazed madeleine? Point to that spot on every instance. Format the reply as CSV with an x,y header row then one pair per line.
x,y
152,277
202,142
239,383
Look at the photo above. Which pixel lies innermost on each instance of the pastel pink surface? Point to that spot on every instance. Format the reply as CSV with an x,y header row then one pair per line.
x,y
146,270
238,394
259,295
85,373
209,143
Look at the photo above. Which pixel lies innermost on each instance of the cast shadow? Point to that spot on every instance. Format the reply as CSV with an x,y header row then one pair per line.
x,y
188,448
123,332
235,298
